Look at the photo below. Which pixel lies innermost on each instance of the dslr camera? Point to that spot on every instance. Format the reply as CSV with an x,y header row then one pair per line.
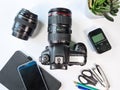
x,y
59,52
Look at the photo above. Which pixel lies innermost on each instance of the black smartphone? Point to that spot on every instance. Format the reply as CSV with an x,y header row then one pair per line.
x,y
99,40
31,76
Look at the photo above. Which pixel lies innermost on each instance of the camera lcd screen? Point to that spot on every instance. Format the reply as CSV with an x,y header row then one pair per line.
x,y
97,38
31,76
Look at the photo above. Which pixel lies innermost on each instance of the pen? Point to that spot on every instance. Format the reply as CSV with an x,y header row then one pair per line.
x,y
79,85
83,88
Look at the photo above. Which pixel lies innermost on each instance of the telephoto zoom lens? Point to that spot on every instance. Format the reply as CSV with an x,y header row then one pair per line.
x,y
25,24
59,25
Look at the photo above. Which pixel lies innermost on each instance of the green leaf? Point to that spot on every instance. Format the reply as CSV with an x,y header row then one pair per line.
x,y
114,1
113,13
99,2
115,7
108,17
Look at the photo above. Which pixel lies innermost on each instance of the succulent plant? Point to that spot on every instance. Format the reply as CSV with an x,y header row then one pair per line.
x,y
106,8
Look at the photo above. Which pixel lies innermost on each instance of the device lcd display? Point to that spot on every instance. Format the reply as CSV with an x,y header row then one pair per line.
x,y
97,38
31,76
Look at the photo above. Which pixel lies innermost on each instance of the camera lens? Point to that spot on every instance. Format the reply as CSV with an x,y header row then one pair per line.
x,y
59,25
25,24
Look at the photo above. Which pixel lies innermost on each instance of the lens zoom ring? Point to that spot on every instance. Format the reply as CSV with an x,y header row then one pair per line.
x,y
59,38
58,19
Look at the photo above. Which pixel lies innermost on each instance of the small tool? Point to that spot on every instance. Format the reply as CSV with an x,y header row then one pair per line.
x,y
97,77
94,75
101,72
88,76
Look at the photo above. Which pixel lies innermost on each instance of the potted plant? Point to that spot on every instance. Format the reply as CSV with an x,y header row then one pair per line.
x,y
105,8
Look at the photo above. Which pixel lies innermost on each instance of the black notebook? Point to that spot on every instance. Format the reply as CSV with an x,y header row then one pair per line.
x,y
9,75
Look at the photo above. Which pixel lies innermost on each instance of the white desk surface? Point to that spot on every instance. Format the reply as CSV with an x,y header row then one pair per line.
x,y
109,61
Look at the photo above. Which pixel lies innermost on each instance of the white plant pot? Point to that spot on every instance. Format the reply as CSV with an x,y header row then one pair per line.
x,y
89,13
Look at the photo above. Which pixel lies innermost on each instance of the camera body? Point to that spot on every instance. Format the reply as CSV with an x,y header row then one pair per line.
x,y
58,56
58,53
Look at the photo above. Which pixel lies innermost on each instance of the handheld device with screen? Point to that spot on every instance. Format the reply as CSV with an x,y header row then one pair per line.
x,y
99,40
31,76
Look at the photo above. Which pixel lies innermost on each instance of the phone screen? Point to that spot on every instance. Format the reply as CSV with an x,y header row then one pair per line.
x,y
32,76
97,38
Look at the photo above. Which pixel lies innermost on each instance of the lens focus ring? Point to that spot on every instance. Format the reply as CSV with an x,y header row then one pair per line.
x,y
60,16
58,19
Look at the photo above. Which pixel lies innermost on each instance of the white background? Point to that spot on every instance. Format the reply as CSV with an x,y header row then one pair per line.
x,y
109,61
